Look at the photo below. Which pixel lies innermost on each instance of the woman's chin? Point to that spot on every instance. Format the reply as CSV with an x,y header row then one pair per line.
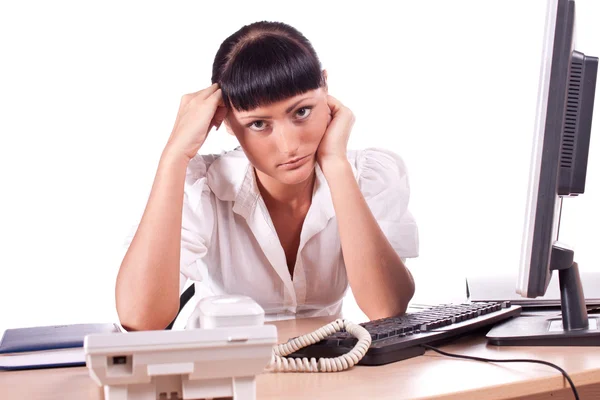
x,y
298,175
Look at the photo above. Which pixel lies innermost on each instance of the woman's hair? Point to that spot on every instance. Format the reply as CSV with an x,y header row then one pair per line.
x,y
263,63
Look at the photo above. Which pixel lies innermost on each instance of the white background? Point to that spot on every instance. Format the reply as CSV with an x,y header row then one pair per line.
x,y
89,92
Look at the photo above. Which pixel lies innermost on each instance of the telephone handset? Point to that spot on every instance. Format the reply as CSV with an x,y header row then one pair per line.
x,y
218,355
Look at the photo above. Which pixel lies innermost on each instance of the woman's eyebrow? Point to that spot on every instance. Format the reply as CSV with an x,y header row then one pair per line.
x,y
287,111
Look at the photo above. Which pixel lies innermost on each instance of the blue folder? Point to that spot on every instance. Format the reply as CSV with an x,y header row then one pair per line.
x,y
18,346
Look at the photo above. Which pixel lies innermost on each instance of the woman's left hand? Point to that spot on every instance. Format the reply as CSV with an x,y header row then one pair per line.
x,y
334,143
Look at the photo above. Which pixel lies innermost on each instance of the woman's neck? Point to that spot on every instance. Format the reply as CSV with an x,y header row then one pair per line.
x,y
292,199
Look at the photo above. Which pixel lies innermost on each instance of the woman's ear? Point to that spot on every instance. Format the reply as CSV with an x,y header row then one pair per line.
x,y
228,127
325,79
223,114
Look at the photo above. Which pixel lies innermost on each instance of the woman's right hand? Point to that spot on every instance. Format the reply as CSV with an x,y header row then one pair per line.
x,y
198,113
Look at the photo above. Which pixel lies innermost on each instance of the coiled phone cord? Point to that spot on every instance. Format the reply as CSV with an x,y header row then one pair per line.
x,y
281,363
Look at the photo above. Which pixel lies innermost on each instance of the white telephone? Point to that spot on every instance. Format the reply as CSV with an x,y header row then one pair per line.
x,y
219,355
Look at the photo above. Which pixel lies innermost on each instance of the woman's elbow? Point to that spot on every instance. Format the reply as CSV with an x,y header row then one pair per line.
x,y
400,305
141,316
144,321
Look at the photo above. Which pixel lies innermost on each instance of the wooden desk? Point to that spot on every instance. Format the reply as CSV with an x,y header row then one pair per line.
x,y
431,376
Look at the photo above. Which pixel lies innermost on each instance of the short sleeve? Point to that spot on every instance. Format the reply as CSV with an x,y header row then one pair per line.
x,y
383,180
197,224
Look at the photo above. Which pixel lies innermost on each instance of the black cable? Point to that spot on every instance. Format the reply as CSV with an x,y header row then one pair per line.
x,y
444,353
183,299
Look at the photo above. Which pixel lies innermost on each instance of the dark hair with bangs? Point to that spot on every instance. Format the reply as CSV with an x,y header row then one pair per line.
x,y
263,63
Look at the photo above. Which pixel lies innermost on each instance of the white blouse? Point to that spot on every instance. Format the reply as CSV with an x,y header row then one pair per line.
x,y
229,244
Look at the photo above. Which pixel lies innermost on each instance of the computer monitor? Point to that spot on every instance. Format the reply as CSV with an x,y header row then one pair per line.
x,y
558,169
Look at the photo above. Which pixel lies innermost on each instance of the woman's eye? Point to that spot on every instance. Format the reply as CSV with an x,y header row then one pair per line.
x,y
304,112
257,125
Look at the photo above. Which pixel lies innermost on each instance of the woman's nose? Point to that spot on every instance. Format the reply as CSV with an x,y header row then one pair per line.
x,y
287,140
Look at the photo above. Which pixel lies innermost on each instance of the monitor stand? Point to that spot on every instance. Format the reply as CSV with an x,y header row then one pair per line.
x,y
574,328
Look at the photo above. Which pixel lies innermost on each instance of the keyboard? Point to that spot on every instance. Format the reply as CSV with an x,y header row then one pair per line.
x,y
399,338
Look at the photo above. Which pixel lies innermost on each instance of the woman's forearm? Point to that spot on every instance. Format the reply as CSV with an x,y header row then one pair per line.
x,y
381,284
147,288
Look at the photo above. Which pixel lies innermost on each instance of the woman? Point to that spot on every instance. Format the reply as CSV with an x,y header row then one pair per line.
x,y
291,218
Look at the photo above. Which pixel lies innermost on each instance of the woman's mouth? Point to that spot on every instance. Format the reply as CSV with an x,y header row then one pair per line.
x,y
294,163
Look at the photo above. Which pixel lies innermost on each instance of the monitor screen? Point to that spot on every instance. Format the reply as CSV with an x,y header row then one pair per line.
x,y
561,142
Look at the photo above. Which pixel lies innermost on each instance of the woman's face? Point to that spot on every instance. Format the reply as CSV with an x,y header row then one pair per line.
x,y
281,140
